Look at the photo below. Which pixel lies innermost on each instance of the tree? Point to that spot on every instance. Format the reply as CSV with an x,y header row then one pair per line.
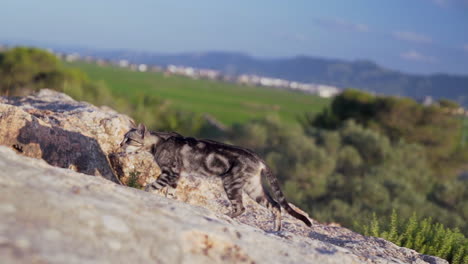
x,y
399,119
25,69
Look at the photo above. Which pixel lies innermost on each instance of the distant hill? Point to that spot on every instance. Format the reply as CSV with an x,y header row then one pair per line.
x,y
361,74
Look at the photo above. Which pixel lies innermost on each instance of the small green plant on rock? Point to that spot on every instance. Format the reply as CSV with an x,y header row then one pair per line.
x,y
133,180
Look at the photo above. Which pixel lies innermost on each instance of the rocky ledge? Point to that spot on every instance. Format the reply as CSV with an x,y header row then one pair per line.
x,y
62,215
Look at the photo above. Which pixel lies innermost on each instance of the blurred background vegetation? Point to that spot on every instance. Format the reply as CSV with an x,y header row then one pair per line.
x,y
356,158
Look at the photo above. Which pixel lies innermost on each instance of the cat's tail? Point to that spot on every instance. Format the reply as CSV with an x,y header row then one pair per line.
x,y
281,198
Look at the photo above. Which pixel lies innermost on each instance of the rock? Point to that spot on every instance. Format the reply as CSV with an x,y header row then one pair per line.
x,y
70,134
136,170
66,217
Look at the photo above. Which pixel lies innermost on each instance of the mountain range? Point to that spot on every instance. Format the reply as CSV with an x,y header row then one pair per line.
x,y
360,74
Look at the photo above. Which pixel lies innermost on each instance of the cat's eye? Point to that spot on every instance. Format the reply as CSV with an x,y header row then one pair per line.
x,y
136,142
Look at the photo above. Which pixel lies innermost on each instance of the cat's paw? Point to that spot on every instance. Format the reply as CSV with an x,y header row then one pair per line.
x,y
170,193
236,212
149,188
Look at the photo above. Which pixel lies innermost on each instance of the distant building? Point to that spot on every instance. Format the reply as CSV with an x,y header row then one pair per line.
x,y
89,59
102,62
155,69
318,89
142,68
209,74
427,101
327,91
189,71
133,67
124,63
72,57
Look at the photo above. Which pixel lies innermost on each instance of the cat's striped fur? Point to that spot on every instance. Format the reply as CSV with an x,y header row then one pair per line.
x,y
240,169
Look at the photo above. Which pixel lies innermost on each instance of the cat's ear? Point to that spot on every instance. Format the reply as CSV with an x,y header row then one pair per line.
x,y
142,129
132,124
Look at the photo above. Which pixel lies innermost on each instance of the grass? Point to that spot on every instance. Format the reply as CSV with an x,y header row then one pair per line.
x,y
229,103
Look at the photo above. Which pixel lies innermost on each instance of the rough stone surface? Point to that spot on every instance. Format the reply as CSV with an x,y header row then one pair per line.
x,y
70,134
53,215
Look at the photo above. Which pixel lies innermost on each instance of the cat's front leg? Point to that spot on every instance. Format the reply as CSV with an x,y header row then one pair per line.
x,y
161,182
170,192
172,184
167,181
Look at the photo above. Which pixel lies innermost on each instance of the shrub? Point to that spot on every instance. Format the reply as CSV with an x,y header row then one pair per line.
x,y
400,119
425,236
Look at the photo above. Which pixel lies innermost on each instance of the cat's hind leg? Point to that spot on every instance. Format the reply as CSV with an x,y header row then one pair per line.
x,y
254,189
233,187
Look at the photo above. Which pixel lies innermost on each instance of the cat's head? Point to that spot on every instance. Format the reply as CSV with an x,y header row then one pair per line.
x,y
138,139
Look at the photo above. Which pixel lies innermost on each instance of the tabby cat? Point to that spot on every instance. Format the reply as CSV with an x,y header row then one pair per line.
x,y
240,169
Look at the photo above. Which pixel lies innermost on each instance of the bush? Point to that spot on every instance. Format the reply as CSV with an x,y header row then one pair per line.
x,y
425,236
28,69
400,119
346,174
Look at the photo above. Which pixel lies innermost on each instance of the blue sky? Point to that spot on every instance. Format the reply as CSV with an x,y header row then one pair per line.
x,y
417,36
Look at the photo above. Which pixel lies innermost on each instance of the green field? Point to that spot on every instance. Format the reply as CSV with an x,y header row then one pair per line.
x,y
229,103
